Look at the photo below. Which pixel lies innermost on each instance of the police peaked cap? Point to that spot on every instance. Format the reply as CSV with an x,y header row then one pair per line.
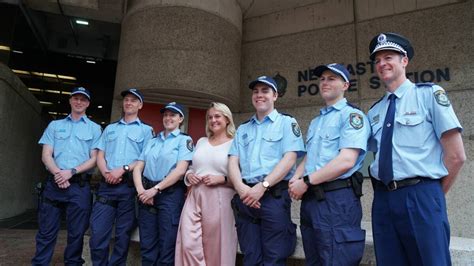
x,y
391,41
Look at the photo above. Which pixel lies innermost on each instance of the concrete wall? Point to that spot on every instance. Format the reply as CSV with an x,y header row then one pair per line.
x,y
20,159
292,41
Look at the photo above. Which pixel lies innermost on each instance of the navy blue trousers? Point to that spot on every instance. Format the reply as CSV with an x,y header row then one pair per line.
x,y
331,229
410,225
267,236
158,227
76,202
119,209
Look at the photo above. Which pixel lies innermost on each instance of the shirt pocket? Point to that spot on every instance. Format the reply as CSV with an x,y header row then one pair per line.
x,y
62,134
329,137
271,144
410,131
135,136
111,137
84,136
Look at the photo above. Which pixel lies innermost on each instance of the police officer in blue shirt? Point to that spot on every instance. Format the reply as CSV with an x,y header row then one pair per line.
x,y
119,147
419,152
327,178
69,156
262,160
160,188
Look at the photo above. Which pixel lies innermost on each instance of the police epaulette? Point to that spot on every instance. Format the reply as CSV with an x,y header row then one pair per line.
x,y
425,84
246,121
376,102
286,114
353,105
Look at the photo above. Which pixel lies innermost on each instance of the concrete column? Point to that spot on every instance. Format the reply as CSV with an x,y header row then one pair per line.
x,y
184,51
20,159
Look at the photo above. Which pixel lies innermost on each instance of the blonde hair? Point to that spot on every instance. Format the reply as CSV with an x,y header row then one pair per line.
x,y
222,108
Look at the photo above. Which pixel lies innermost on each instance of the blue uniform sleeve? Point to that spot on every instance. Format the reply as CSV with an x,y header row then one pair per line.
x,y
148,134
442,114
355,130
234,148
48,135
185,149
292,137
96,136
100,144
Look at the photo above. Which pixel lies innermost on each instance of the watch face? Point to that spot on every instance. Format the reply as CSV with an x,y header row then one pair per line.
x,y
265,184
126,168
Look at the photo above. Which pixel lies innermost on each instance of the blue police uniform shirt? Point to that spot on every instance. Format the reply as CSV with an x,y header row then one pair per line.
x,y
123,142
71,140
161,154
423,113
261,145
339,126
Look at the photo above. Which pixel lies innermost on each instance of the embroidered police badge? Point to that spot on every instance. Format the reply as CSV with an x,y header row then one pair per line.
x,y
356,120
189,144
441,98
296,129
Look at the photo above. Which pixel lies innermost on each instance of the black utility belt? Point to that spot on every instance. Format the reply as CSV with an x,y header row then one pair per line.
x,y
147,184
354,181
274,190
398,184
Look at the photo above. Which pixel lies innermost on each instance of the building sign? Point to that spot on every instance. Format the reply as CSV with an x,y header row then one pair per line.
x,y
308,84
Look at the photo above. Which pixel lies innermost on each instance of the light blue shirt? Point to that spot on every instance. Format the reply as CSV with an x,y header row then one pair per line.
x,y
123,142
340,126
423,113
72,141
261,145
161,154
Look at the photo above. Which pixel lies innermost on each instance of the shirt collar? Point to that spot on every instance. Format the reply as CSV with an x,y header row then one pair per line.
x,y
401,90
175,133
272,116
337,106
83,118
137,120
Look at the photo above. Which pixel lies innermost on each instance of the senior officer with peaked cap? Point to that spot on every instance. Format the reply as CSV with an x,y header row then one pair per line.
x,y
69,155
261,161
119,147
419,152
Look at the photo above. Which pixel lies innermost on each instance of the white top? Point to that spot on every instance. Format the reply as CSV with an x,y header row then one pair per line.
x,y
208,159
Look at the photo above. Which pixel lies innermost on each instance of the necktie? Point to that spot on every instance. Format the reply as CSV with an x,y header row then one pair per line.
x,y
385,157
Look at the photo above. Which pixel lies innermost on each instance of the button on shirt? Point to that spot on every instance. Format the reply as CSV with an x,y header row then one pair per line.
x,y
123,142
420,120
261,145
162,154
339,126
71,140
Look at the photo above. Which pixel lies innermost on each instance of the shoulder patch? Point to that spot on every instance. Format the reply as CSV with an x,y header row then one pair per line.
x,y
189,144
296,129
353,105
356,120
376,102
441,98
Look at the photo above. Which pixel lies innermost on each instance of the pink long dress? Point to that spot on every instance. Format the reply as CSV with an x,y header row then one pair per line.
x,y
206,234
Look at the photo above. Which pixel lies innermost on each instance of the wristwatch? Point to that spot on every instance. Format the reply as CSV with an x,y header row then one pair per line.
x,y
126,168
265,184
73,171
157,188
306,180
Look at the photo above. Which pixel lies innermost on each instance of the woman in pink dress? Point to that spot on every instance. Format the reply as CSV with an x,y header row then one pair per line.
x,y
206,234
